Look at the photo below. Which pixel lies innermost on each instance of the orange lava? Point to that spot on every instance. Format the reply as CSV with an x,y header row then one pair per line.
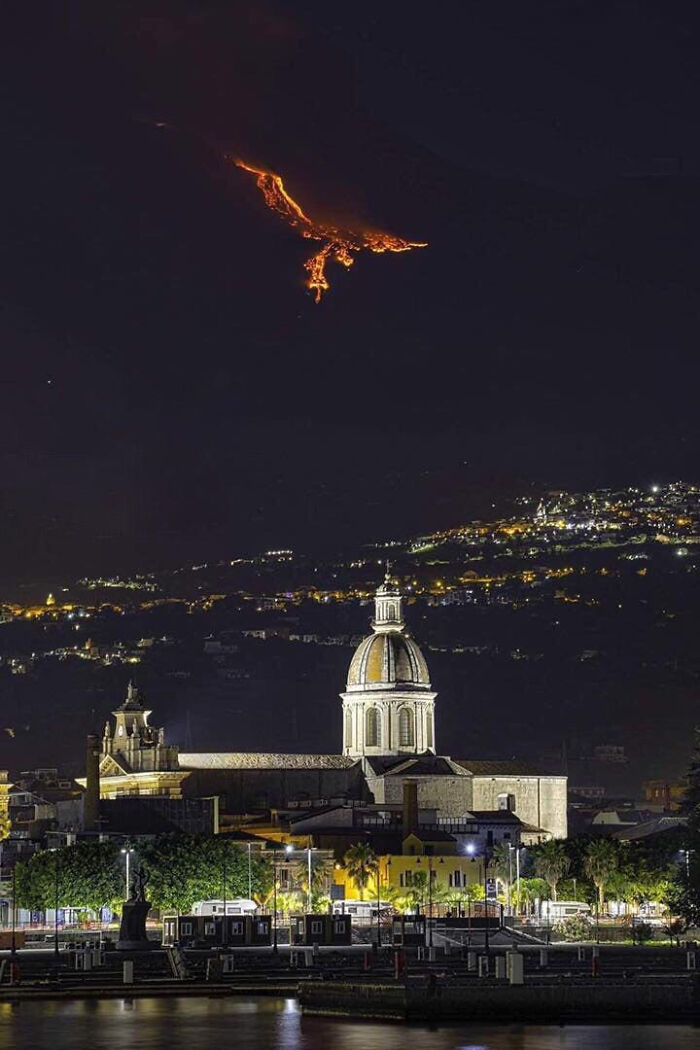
x,y
337,244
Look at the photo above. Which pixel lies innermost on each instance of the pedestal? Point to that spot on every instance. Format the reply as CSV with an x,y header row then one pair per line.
x,y
132,932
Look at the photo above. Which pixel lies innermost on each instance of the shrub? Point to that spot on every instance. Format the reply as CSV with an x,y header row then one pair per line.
x,y
573,928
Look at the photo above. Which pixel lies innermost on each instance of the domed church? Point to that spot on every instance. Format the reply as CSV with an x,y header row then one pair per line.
x,y
388,726
388,705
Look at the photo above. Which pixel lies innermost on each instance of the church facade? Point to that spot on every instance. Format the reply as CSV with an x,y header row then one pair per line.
x,y
388,718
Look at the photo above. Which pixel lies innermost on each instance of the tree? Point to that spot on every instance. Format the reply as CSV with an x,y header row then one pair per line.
x,y
530,890
86,875
600,863
551,863
503,864
361,864
320,873
685,896
182,869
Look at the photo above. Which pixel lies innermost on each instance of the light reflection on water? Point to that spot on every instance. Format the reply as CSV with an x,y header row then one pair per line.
x,y
264,1024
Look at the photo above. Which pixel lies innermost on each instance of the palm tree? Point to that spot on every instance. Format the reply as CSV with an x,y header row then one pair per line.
x,y
360,864
503,864
320,872
552,863
600,864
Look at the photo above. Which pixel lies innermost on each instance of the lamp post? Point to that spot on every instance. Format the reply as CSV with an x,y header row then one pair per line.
x,y
250,874
517,849
379,903
127,851
57,870
510,878
487,943
430,898
224,931
14,910
274,900
308,876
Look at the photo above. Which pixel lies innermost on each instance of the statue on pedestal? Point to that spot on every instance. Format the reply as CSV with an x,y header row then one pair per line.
x,y
132,932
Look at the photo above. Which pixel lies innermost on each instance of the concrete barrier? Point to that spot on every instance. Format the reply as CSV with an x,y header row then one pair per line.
x,y
516,975
545,1000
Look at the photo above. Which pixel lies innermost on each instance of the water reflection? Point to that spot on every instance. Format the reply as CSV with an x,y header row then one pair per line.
x,y
259,1024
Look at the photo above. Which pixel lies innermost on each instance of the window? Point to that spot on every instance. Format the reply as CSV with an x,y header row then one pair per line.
x,y
339,926
506,801
373,728
406,728
348,728
262,927
456,878
186,929
316,926
406,878
429,730
236,929
209,929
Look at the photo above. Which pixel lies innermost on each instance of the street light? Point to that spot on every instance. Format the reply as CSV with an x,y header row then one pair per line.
x,y
287,849
290,849
127,851
56,873
250,874
224,931
379,904
429,852
487,944
14,909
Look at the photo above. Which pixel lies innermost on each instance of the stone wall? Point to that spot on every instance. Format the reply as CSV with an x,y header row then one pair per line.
x,y
539,801
450,795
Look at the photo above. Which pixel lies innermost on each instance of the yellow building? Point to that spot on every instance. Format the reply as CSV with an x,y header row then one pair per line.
x,y
431,856
5,786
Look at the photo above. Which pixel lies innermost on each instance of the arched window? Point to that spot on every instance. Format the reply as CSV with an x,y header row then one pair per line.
x,y
348,728
373,728
407,736
429,729
391,611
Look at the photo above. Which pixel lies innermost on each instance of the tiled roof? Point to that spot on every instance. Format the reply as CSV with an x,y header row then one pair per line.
x,y
510,768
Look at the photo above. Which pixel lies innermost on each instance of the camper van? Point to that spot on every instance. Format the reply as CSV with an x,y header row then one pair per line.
x,y
555,911
238,906
363,911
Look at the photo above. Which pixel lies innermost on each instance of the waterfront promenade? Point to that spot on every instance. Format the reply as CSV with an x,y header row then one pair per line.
x,y
621,984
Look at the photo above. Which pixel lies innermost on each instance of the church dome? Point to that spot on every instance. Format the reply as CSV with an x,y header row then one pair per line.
x,y
388,659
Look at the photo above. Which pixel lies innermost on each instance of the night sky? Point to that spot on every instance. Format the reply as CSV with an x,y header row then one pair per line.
x,y
171,392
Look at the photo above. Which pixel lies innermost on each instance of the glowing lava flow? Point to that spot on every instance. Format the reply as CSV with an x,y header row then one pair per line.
x,y
336,244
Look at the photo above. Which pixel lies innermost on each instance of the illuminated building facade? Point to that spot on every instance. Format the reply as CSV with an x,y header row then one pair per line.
x,y
388,705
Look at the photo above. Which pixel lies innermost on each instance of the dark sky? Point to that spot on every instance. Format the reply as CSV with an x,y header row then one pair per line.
x,y
171,392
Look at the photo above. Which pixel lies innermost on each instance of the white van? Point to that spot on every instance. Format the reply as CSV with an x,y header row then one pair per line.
x,y
238,906
555,911
363,910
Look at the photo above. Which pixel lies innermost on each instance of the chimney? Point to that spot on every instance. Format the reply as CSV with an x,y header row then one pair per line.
x,y
91,814
410,807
